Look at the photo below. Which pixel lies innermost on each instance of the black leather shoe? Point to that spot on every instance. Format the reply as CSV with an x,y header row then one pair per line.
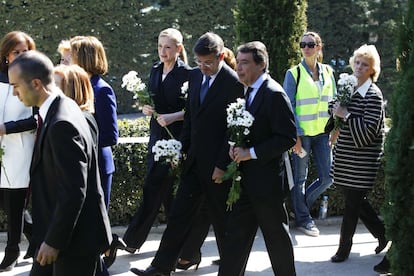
x,y
339,258
216,262
117,243
150,271
130,250
9,261
382,243
383,267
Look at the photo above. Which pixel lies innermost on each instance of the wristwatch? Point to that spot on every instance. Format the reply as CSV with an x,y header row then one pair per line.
x,y
347,116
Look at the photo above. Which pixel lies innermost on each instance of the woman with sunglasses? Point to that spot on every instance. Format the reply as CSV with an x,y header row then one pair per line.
x,y
310,86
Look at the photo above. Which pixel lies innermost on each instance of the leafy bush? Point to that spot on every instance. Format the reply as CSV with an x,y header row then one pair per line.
x,y
130,164
398,206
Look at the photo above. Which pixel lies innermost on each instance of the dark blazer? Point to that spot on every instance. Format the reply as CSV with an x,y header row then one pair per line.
x,y
168,98
105,115
272,133
68,208
206,124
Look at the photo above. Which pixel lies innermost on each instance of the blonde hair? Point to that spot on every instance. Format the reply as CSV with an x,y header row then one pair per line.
x,y
369,52
318,41
177,37
229,58
75,84
63,46
89,53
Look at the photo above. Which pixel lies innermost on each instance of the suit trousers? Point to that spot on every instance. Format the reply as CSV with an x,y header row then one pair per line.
x,y
249,213
13,201
158,185
67,266
195,239
193,191
357,206
106,183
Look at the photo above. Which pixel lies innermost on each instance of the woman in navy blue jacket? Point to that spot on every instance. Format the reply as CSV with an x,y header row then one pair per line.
x,y
167,87
88,53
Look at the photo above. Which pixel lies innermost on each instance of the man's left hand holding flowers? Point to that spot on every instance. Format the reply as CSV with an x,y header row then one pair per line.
x,y
239,121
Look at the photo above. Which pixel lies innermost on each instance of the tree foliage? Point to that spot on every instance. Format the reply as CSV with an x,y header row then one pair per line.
x,y
279,24
127,29
399,207
346,25
341,25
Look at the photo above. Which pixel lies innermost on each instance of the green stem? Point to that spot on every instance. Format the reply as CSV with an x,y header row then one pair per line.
x,y
5,174
155,115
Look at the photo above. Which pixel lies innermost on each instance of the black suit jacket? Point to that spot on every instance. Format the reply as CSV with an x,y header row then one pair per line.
x,y
204,135
69,212
272,133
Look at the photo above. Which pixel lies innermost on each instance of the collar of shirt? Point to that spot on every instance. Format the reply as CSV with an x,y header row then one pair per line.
x,y
256,85
320,70
213,77
43,109
363,89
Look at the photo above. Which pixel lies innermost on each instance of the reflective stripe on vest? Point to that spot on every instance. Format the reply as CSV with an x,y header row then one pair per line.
x,y
311,108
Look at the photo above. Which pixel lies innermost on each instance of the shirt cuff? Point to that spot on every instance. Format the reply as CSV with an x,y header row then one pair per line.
x,y
252,153
347,116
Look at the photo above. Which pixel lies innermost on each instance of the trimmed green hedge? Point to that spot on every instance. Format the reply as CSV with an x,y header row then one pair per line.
x,y
128,179
336,199
130,172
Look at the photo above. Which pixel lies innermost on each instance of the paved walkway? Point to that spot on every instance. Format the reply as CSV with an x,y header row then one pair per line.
x,y
312,254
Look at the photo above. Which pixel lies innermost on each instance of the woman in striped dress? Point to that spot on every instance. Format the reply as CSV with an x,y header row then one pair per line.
x,y
358,151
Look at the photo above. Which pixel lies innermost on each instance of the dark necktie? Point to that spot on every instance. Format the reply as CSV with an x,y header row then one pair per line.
x,y
247,95
39,125
35,156
204,88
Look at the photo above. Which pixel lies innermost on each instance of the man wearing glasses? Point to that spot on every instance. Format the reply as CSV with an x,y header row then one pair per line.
x,y
212,86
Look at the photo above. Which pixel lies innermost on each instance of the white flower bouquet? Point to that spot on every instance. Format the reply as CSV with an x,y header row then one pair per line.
x,y
346,86
239,120
184,89
169,152
134,84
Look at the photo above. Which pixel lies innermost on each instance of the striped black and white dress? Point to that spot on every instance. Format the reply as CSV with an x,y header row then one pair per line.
x,y
359,147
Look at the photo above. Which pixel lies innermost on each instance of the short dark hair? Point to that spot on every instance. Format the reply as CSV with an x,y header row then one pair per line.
x,y
208,43
258,50
34,65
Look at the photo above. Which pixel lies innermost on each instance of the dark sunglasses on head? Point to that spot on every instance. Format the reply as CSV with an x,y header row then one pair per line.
x,y
309,44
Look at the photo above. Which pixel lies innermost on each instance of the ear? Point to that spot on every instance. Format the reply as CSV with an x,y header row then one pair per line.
x,y
179,48
221,56
37,84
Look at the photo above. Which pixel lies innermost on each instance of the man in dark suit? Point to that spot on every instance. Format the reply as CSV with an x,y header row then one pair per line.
x,y
70,224
261,201
211,88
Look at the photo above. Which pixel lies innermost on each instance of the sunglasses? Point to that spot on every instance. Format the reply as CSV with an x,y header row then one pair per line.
x,y
309,44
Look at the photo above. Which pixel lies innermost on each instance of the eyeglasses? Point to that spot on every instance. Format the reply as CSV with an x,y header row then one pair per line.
x,y
309,44
208,64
